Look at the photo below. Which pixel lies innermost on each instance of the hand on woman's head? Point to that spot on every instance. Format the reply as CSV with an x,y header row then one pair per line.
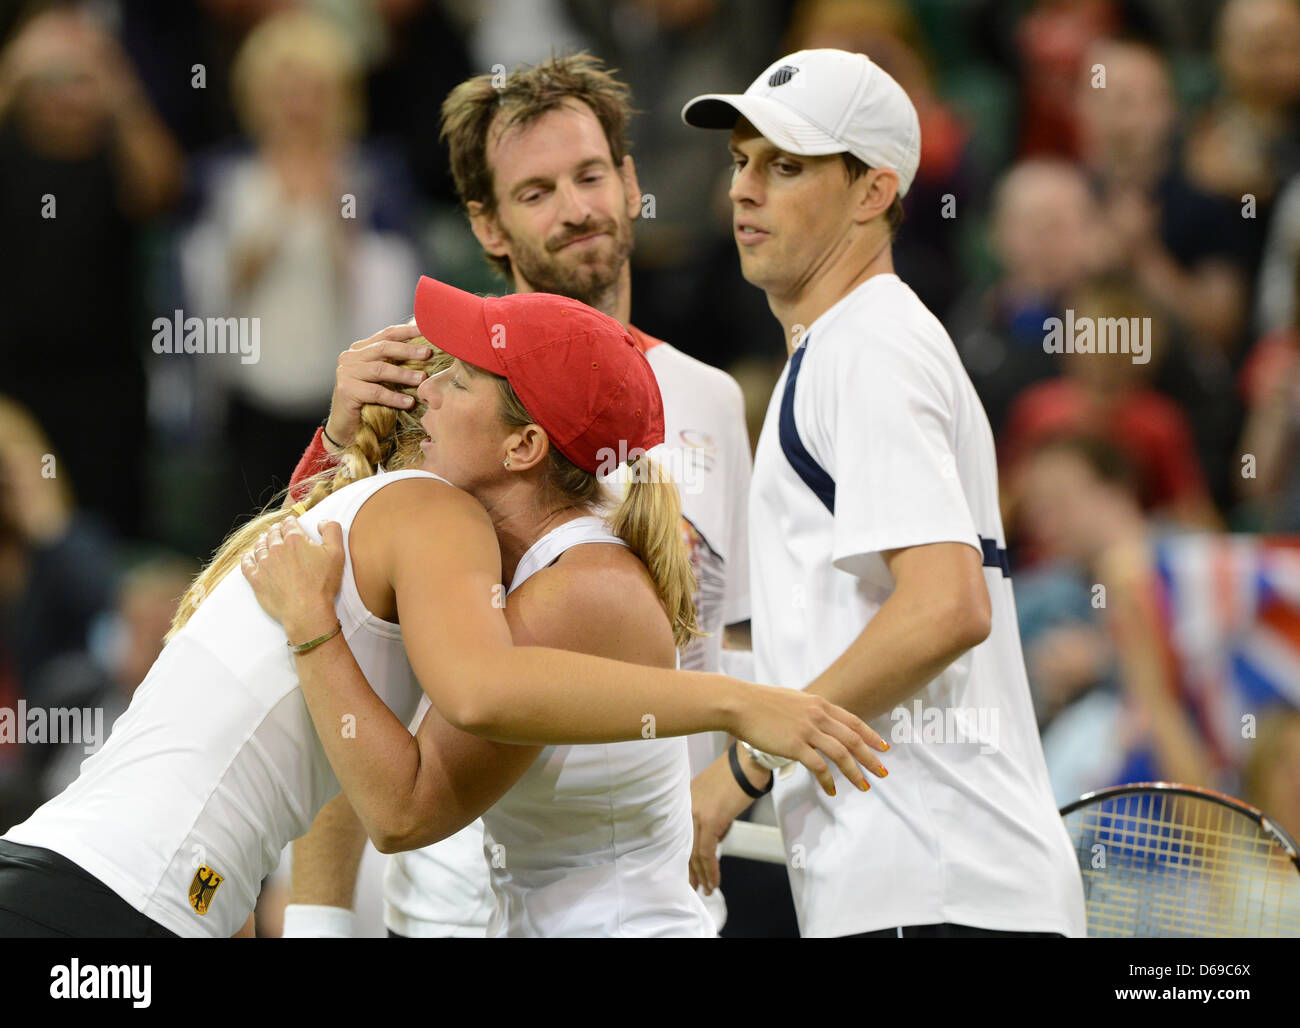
x,y
376,370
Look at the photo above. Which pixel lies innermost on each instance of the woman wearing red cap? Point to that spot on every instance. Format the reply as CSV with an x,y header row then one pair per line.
x,y
172,825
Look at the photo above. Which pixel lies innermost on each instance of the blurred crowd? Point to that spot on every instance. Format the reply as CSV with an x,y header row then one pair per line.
x,y
1082,160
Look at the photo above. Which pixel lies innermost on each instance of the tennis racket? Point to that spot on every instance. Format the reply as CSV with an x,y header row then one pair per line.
x,y
1174,861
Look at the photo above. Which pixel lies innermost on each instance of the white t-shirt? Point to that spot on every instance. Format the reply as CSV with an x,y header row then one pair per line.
x,y
439,891
886,426
706,449
443,889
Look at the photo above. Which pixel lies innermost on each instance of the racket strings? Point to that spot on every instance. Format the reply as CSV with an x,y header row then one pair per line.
x,y
1157,864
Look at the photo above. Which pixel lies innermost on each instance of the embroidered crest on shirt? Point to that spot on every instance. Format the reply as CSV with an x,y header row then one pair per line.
x,y
203,888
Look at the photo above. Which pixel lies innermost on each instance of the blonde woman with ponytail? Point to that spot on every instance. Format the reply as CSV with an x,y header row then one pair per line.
x,y
235,740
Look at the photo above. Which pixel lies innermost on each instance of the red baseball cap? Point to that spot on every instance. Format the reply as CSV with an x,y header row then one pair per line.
x,y
579,372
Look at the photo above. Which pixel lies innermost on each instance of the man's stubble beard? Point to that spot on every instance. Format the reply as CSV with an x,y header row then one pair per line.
x,y
591,282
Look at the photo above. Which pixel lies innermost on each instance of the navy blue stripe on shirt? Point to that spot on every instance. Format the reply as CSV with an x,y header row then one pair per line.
x,y
995,556
816,478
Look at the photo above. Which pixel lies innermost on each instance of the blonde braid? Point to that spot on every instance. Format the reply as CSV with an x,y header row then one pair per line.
x,y
386,438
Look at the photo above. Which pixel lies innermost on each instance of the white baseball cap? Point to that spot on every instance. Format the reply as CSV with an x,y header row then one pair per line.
x,y
818,102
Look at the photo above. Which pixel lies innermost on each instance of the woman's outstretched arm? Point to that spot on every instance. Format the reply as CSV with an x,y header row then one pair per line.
x,y
440,554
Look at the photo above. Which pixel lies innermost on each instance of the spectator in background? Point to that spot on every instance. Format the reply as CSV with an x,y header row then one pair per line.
x,y
1186,249
1248,141
1269,470
167,40
418,53
84,163
300,234
1270,779
514,32
1208,634
1052,42
1076,501
925,251
105,676
55,576
1041,231
1106,396
1202,631
1275,302
1255,128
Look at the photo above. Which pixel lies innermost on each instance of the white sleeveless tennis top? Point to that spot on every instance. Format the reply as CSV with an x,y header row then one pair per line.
x,y
591,841
216,763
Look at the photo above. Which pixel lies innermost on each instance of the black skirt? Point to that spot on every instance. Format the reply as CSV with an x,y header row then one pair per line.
x,y
46,896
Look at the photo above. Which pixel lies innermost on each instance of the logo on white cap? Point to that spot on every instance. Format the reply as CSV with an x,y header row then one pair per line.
x,y
844,104
782,75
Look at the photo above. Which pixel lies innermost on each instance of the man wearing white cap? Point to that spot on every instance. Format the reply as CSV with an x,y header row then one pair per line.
x,y
877,558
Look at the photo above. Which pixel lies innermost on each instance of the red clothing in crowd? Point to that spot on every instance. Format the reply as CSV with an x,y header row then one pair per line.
x,y
1051,42
1146,426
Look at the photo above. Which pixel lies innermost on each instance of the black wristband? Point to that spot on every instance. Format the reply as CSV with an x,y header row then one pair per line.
x,y
329,439
738,773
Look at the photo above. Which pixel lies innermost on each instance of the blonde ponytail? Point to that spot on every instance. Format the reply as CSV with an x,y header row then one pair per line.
x,y
386,438
649,520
